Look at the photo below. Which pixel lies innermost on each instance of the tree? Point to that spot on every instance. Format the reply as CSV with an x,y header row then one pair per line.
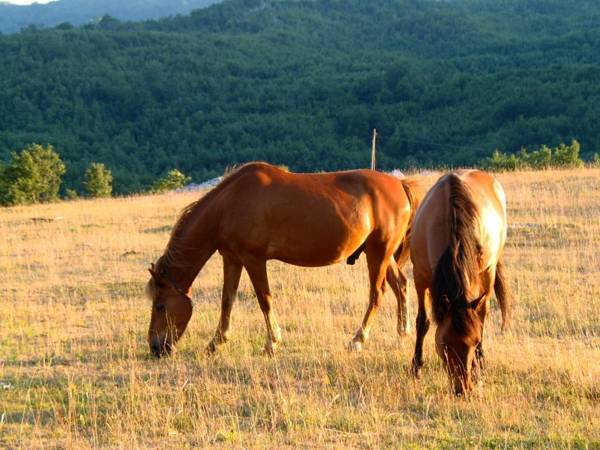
x,y
98,180
174,179
33,176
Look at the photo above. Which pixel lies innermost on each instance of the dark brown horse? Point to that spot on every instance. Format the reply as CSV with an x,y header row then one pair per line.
x,y
456,248
260,212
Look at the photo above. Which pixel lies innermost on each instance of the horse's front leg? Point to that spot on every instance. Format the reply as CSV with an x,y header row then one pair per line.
x,y
488,281
422,328
479,360
257,270
231,279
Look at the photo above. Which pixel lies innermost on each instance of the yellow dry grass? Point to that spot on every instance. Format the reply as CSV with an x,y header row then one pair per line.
x,y
75,370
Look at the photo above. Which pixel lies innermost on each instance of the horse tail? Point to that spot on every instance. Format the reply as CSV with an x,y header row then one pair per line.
x,y
460,261
503,294
414,192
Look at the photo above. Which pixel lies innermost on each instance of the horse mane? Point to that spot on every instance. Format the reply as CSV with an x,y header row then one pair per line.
x,y
460,261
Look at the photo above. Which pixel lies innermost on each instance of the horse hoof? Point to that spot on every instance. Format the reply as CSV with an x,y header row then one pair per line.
x,y
211,348
403,330
355,346
415,370
269,350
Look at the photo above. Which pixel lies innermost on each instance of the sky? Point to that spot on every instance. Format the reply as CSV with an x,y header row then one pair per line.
x,y
25,2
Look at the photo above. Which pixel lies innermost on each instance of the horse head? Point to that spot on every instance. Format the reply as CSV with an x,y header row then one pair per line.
x,y
171,312
457,339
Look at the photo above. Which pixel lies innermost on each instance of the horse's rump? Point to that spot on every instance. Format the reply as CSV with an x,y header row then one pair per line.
x,y
415,191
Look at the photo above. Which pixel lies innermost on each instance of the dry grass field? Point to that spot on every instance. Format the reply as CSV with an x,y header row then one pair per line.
x,y
75,370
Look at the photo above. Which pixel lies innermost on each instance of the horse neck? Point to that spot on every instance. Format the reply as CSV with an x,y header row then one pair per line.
x,y
182,273
190,247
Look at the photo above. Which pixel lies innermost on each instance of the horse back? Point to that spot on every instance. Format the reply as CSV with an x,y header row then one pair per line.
x,y
431,226
309,219
260,182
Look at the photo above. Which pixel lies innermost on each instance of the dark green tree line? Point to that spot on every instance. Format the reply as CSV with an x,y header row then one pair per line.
x,y
303,83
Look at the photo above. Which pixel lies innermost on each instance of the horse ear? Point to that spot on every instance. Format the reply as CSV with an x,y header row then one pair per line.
x,y
446,301
477,303
155,275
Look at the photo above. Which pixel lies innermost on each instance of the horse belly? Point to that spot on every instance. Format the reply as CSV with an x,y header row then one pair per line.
x,y
309,228
314,247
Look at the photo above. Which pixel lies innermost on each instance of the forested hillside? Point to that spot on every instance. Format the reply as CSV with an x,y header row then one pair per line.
x,y
77,12
302,83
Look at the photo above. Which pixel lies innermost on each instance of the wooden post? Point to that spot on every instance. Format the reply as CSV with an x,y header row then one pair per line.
x,y
373,149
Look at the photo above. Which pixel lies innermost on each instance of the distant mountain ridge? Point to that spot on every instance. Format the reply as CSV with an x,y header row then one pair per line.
x,y
13,17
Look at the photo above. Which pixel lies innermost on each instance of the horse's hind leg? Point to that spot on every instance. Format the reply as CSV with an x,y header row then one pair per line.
x,y
399,284
488,283
422,327
257,270
231,280
377,262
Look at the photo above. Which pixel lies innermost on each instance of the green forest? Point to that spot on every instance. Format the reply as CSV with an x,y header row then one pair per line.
x,y
303,83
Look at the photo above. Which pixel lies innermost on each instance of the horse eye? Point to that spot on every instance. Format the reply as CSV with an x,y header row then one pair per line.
x,y
160,308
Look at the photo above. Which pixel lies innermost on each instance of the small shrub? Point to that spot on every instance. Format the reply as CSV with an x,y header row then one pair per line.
x,y
98,181
563,156
503,162
537,159
174,179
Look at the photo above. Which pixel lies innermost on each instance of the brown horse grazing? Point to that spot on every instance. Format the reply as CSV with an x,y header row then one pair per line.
x,y
260,212
456,248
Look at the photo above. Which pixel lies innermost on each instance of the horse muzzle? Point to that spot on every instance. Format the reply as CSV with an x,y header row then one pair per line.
x,y
160,347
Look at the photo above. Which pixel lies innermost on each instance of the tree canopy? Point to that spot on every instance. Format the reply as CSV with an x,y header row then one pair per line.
x,y
33,176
